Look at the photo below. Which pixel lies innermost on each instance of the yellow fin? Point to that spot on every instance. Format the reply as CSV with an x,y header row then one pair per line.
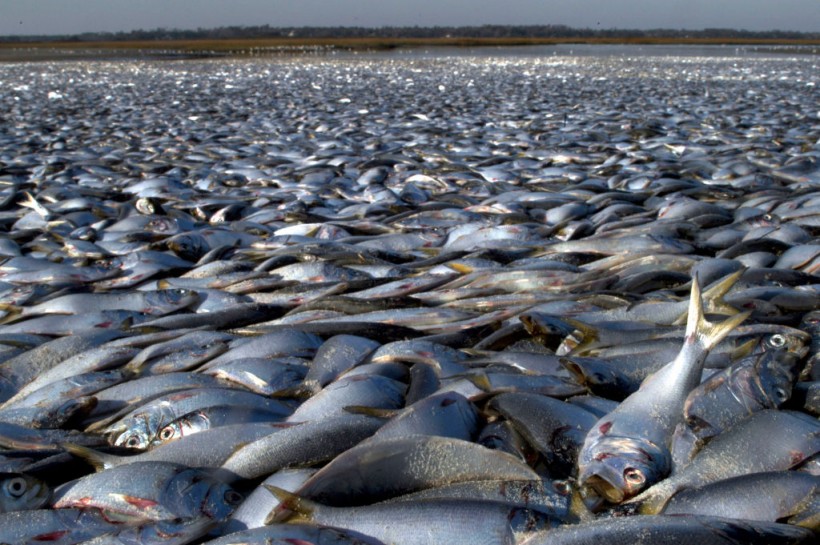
x,y
713,297
699,329
290,506
13,313
97,459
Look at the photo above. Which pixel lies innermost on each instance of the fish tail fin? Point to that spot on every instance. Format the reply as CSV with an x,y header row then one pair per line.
x,y
699,329
13,313
97,459
572,345
290,506
134,367
30,202
480,381
462,268
744,349
713,297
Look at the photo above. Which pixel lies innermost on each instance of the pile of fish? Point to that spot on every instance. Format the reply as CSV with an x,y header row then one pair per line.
x,y
410,300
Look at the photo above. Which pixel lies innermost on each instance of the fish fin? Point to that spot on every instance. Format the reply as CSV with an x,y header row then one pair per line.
x,y
578,511
97,459
13,313
713,297
574,346
290,506
109,424
699,329
134,367
577,371
480,381
300,391
461,268
164,284
744,349
30,202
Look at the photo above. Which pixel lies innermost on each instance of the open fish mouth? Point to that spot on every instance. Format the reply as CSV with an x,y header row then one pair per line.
x,y
606,489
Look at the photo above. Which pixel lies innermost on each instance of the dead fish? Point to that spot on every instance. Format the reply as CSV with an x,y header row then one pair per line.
x,y
672,529
789,496
792,438
489,522
146,491
628,450
57,526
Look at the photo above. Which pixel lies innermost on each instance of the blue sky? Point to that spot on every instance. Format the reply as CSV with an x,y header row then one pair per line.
x,y
76,16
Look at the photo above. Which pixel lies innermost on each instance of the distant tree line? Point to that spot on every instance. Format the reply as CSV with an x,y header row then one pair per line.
x,y
485,31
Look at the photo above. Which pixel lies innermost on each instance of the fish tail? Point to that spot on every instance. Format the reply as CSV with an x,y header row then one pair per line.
x,y
290,506
480,381
97,459
30,202
13,313
699,329
461,267
135,366
744,349
574,346
713,297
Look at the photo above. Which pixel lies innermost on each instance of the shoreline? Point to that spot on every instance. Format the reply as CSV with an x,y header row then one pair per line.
x,y
188,49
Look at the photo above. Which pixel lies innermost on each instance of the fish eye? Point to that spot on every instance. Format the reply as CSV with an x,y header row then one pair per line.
x,y
133,441
167,433
777,340
232,497
634,476
781,394
562,487
16,487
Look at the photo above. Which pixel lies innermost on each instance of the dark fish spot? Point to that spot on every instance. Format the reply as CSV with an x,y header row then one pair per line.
x,y
645,454
447,402
605,427
51,536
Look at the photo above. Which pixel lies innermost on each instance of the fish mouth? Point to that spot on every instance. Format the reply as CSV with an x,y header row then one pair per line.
x,y
604,488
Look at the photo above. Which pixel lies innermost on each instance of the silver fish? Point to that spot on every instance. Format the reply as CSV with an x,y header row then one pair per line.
x,y
629,449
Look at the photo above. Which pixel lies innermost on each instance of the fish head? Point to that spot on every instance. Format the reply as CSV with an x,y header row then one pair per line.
x,y
173,298
618,468
140,430
188,424
221,502
793,342
776,374
199,493
20,492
